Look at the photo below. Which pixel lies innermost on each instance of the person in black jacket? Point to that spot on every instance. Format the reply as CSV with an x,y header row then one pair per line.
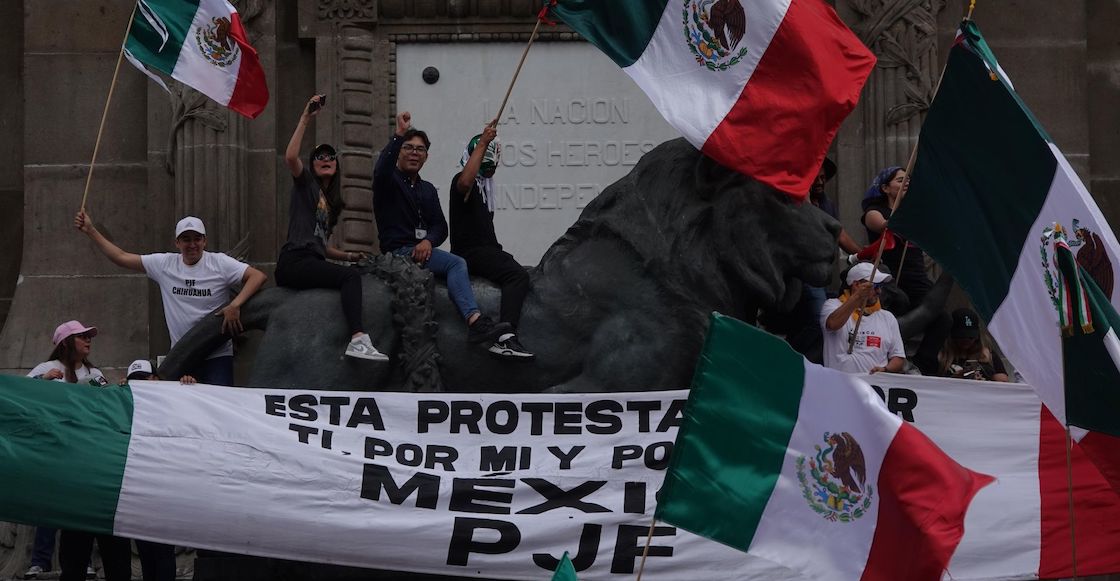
x,y
410,223
473,238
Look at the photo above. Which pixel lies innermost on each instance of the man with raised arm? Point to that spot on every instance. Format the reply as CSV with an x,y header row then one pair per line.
x,y
192,283
410,222
473,237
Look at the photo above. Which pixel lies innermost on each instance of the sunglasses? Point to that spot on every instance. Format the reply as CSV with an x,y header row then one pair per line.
x,y
326,157
86,336
878,285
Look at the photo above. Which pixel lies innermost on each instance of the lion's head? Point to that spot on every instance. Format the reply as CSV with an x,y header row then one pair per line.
x,y
709,232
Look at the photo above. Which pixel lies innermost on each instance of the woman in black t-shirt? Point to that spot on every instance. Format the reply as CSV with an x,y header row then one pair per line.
x,y
316,202
911,277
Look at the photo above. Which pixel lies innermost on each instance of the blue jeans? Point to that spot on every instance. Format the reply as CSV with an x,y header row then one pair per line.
x,y
454,269
42,552
216,371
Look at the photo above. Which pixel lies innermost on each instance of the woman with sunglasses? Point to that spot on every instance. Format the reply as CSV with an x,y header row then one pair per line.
x,y
69,363
316,202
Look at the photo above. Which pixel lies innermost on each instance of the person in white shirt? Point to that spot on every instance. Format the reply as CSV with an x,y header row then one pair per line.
x,y
878,345
193,283
69,363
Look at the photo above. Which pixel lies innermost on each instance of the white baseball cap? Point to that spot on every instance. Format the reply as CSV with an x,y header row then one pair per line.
x,y
190,224
863,270
139,366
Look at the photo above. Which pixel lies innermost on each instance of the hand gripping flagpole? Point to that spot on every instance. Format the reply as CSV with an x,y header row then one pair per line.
x,y
898,199
105,112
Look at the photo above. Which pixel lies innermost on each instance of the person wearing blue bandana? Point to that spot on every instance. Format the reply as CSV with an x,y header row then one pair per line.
x,y
473,238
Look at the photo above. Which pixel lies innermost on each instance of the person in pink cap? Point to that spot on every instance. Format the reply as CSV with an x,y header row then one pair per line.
x,y
69,361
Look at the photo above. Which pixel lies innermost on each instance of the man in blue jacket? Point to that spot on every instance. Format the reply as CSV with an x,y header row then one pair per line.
x,y
410,222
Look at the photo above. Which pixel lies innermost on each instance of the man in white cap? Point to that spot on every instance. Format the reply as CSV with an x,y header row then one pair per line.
x,y
878,345
193,283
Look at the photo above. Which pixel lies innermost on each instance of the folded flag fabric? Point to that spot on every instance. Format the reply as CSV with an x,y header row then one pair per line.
x,y
805,467
202,44
761,86
565,571
995,202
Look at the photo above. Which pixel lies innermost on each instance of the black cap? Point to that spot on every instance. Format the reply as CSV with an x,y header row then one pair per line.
x,y
829,168
323,147
966,324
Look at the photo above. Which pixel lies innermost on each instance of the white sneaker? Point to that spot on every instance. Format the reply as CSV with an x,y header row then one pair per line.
x,y
362,348
91,573
33,572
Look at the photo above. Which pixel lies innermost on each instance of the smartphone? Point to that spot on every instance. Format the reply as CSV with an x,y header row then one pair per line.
x,y
316,105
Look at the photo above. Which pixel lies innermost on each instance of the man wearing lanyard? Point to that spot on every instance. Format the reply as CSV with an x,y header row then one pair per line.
x,y
410,222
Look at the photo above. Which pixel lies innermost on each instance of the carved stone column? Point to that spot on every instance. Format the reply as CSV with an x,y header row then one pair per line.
x,y
884,127
209,161
903,35
344,70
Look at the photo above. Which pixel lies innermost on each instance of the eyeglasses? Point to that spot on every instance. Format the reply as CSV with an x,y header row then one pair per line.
x,y
421,149
326,157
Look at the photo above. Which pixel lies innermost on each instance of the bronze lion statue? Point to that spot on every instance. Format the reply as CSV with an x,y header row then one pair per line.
x,y
620,302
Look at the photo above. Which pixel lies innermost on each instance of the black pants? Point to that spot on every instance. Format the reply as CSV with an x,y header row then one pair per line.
x,y
502,269
73,554
303,269
157,560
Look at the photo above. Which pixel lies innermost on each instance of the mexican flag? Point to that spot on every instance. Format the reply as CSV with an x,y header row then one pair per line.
x,y
995,202
761,86
202,44
804,466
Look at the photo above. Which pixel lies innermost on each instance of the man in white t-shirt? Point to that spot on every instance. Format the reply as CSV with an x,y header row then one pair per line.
x,y
192,283
878,345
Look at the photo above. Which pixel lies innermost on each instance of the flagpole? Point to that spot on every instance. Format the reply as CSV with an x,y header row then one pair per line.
x,y
1069,489
105,112
894,205
645,550
524,53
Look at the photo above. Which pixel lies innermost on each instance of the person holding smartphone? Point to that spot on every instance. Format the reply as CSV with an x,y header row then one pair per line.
x,y
314,207
967,352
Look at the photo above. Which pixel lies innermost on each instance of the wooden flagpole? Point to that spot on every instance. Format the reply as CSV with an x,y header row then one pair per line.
x,y
1069,489
524,53
898,199
105,112
645,551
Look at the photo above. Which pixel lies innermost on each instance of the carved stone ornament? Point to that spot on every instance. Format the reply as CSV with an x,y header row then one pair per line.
x,y
350,10
903,34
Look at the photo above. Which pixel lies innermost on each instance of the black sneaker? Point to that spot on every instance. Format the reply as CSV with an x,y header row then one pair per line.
x,y
485,329
511,348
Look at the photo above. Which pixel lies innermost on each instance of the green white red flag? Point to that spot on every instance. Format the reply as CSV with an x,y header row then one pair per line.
x,y
804,466
761,86
202,44
993,200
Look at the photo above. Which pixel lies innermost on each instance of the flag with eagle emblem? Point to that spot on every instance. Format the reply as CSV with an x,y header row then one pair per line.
x,y
776,454
202,44
761,86
993,200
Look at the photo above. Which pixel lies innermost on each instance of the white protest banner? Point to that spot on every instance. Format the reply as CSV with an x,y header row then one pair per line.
x,y
482,485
